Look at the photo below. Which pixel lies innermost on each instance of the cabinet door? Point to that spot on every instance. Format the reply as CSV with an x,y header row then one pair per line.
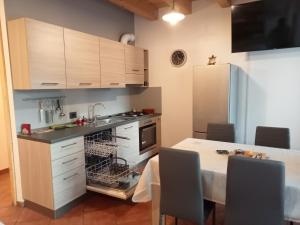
x,y
112,60
82,60
134,65
46,56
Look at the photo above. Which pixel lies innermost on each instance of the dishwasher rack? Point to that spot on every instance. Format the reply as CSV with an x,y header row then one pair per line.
x,y
101,144
104,168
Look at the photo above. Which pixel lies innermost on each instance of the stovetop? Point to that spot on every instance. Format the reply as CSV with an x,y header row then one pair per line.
x,y
131,114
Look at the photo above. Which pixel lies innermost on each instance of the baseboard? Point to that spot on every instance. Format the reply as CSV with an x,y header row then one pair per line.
x,y
4,171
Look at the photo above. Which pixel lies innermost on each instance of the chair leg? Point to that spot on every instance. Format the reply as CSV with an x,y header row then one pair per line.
x,y
214,216
161,219
176,221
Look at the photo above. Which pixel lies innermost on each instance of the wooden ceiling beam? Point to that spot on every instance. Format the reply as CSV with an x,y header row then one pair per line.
x,y
224,3
142,8
183,6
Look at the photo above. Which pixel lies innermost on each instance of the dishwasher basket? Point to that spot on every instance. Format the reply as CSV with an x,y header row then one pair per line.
x,y
100,144
112,172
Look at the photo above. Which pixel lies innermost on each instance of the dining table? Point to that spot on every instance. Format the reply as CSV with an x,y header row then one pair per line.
x,y
213,172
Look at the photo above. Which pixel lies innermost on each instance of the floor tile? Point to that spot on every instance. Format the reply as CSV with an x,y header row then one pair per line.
x,y
76,220
99,218
30,215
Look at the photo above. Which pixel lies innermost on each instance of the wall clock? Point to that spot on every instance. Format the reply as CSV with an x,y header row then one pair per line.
x,y
178,58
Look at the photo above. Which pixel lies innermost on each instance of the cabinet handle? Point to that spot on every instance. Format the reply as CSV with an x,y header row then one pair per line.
x,y
65,146
49,84
128,127
114,84
135,70
69,161
69,177
85,84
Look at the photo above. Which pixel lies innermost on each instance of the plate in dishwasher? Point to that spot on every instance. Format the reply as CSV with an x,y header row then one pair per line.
x,y
121,193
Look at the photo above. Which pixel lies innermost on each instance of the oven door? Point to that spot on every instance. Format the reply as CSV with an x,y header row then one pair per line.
x,y
147,137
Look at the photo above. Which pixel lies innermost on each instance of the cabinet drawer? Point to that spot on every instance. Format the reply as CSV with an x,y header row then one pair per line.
x,y
69,179
68,147
134,79
128,130
67,163
68,195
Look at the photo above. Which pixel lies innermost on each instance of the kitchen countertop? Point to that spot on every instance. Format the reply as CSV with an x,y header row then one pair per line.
x,y
68,133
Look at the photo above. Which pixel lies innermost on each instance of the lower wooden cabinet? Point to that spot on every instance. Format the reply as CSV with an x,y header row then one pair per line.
x,y
53,175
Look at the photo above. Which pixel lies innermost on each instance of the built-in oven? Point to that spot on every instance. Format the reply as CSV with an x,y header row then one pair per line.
x,y
147,135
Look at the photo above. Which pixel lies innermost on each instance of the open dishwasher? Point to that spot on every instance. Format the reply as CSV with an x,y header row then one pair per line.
x,y
106,172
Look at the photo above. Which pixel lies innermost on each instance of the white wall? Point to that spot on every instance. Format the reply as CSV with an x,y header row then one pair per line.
x,y
273,91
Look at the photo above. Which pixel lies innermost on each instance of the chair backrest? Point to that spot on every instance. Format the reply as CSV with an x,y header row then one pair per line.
x,y
181,186
272,137
220,132
255,192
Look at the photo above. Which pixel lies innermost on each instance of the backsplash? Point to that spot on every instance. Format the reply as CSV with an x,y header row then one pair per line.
x,y
114,100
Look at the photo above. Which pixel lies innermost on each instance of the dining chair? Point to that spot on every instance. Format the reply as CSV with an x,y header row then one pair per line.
x,y
272,137
220,132
181,187
254,192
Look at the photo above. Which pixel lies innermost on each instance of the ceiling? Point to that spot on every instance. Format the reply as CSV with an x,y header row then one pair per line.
x,y
149,8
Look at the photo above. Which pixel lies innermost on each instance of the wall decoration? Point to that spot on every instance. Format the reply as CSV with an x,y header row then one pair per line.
x,y
178,58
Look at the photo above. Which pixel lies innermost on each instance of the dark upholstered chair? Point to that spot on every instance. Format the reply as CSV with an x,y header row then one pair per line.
x,y
220,132
255,192
181,186
272,137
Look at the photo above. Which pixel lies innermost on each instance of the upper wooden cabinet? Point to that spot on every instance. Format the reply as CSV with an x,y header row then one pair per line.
x,y
37,55
46,56
112,60
82,60
134,60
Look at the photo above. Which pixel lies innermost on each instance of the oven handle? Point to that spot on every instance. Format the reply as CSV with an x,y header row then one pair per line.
x,y
148,128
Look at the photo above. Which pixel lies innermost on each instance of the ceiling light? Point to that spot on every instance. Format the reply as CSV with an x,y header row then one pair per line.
x,y
173,17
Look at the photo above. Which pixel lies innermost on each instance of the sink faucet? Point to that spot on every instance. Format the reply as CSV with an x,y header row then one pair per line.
x,y
91,111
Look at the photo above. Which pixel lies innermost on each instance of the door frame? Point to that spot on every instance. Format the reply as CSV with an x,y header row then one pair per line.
x,y
6,80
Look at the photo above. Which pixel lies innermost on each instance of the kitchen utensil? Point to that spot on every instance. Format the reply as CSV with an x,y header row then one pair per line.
x,y
41,112
62,114
58,107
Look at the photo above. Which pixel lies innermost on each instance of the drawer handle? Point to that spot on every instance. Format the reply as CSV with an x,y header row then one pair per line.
x,y
69,177
115,84
135,70
49,84
149,121
65,146
69,161
85,84
128,127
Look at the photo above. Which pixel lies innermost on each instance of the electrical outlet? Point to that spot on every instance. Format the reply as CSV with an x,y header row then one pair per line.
x,y
73,115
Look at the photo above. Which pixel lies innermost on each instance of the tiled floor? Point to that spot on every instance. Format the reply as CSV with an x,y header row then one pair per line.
x,y
95,210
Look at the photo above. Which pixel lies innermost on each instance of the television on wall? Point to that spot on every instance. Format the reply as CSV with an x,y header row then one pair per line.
x,y
265,24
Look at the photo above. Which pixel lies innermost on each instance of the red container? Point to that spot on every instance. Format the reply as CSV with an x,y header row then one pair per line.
x,y
149,111
26,128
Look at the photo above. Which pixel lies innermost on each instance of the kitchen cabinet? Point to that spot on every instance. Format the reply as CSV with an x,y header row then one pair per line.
x,y
135,65
112,60
37,54
53,175
46,56
82,59
128,148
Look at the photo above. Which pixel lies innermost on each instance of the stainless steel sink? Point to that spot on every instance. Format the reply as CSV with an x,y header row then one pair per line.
x,y
103,122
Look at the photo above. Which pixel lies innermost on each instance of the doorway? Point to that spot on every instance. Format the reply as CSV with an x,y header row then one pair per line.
x,y
7,191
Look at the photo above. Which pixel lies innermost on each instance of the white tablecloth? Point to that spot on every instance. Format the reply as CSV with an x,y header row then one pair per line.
x,y
214,168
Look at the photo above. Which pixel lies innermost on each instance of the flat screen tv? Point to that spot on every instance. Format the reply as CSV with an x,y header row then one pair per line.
x,y
265,24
